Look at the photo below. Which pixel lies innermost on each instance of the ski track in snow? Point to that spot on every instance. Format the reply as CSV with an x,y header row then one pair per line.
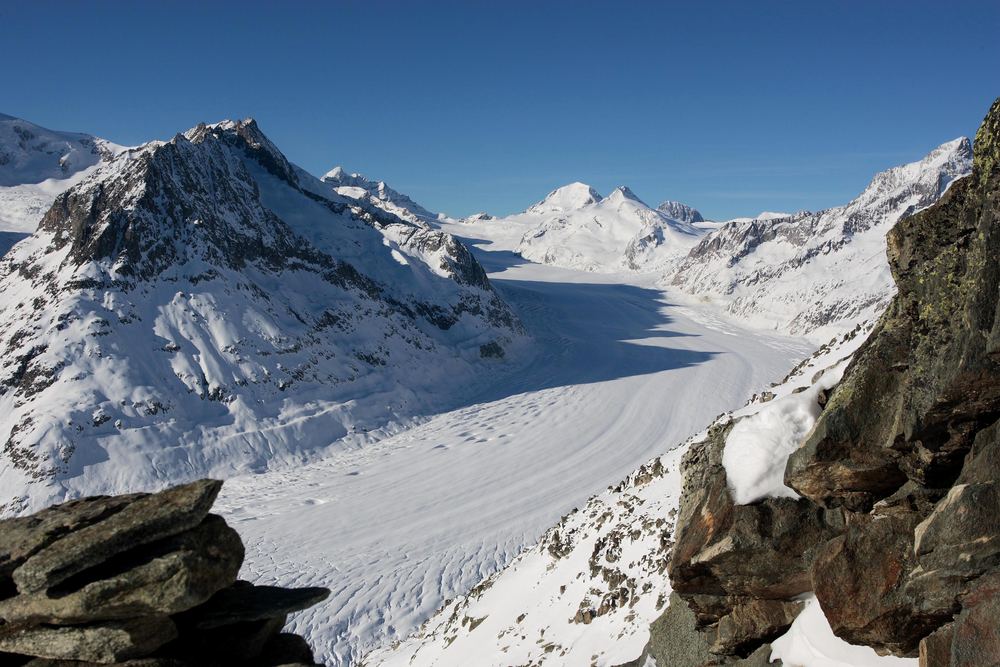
x,y
396,527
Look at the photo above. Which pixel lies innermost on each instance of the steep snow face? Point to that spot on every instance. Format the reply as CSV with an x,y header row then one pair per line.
x,y
36,165
575,227
588,591
203,307
377,193
816,273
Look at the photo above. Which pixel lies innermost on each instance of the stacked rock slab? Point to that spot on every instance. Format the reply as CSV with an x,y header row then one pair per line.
x,y
897,532
141,580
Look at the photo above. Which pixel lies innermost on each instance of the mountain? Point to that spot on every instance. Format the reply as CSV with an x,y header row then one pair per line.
x,y
377,193
675,210
816,273
36,164
202,306
575,227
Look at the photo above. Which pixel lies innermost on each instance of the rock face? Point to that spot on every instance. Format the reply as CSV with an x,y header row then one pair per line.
x,y
897,532
144,579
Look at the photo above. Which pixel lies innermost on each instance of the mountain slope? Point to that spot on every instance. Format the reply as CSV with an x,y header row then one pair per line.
x,y
816,273
574,227
202,306
378,194
36,165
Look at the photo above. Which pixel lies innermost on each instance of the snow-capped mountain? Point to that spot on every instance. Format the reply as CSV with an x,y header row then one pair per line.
x,y
675,210
36,164
379,194
202,306
575,227
816,273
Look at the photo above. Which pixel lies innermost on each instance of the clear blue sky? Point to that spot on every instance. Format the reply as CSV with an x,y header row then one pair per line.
x,y
733,107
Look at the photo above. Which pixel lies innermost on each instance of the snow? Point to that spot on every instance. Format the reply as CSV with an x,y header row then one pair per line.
x,y
575,227
619,539
811,643
428,494
570,197
758,446
214,368
36,165
618,376
814,274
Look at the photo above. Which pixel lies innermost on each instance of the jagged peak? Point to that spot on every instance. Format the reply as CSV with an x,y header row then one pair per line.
x,y
679,211
340,176
621,193
247,134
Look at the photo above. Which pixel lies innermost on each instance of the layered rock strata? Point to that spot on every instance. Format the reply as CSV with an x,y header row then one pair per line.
x,y
142,579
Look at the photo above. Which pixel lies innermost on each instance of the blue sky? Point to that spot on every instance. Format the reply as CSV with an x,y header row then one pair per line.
x,y
733,107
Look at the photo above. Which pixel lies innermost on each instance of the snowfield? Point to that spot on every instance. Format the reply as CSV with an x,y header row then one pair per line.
x,y
619,376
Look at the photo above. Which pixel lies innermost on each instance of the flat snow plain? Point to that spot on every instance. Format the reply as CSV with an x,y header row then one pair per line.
x,y
618,375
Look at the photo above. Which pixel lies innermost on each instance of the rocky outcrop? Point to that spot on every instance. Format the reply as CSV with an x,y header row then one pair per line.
x,y
142,579
897,530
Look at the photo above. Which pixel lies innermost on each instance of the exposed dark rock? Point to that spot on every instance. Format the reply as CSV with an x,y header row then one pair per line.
x,y
170,576
749,622
899,524
674,638
858,579
725,553
104,642
976,634
25,536
147,580
935,648
142,521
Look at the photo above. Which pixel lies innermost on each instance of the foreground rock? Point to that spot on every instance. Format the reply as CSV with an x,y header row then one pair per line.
x,y
897,531
144,579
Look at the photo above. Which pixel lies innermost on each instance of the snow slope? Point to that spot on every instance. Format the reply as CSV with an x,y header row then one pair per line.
x,y
617,377
575,227
36,165
587,592
816,273
378,194
202,307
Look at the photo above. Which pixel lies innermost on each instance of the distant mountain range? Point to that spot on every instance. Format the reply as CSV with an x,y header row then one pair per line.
x,y
808,274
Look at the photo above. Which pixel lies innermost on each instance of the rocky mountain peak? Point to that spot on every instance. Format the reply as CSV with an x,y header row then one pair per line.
x,y
676,210
222,280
